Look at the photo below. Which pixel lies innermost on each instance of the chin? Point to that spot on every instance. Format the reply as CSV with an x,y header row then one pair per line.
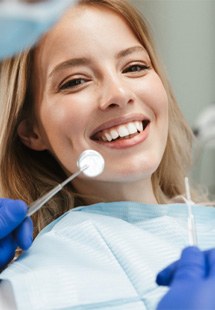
x,y
129,174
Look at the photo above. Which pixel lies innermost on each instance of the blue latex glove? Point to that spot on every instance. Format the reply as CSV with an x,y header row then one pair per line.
x,y
191,281
15,229
24,23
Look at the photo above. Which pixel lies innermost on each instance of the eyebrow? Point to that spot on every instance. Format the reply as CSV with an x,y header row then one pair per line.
x,y
130,50
86,61
69,63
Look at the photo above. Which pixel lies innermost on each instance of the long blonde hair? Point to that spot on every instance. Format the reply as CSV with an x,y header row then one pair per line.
x,y
26,174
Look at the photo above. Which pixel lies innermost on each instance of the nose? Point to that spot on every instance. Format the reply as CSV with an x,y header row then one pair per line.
x,y
115,93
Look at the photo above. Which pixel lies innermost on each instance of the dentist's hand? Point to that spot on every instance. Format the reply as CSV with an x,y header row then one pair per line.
x,y
26,21
191,280
16,230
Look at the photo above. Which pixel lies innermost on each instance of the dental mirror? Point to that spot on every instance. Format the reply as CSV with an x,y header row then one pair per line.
x,y
90,162
93,161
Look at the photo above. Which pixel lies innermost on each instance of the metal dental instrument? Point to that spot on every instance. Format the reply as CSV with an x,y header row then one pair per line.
x,y
90,162
192,235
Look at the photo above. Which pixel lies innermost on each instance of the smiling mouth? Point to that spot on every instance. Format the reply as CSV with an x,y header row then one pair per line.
x,y
120,132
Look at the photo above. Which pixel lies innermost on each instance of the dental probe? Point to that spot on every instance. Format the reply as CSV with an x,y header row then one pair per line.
x,y
90,162
190,220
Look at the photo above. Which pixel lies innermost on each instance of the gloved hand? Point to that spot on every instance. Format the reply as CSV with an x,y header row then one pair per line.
x,y
15,229
191,280
24,22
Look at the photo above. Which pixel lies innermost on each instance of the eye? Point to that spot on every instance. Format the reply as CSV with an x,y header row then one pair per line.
x,y
136,68
73,83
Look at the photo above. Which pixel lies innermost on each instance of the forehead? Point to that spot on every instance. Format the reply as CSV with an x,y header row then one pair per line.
x,y
85,25
85,18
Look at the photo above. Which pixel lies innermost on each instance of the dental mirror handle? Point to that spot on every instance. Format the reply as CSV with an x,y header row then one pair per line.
x,y
90,162
36,205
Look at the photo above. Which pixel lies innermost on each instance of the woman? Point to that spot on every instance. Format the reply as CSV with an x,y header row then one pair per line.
x,y
19,164
86,86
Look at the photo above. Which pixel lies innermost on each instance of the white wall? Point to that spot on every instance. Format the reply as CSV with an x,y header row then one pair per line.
x,y
184,32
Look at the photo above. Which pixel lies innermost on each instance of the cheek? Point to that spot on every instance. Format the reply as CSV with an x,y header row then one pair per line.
x,y
60,118
158,104
154,97
159,99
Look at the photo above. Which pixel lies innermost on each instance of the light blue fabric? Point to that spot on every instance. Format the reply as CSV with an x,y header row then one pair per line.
x,y
105,256
23,24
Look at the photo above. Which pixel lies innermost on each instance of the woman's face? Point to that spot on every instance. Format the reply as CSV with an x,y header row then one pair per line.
x,y
96,89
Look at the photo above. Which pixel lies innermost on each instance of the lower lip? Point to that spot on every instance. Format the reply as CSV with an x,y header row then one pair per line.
x,y
126,143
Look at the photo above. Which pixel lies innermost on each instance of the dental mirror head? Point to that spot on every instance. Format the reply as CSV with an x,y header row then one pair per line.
x,y
93,161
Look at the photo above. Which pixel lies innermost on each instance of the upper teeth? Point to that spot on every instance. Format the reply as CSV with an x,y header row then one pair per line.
x,y
121,131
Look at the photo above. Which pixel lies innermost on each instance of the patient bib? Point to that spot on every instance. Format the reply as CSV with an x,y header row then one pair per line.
x,y
105,256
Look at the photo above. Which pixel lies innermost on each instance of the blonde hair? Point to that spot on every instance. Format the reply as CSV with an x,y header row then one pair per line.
x,y
26,174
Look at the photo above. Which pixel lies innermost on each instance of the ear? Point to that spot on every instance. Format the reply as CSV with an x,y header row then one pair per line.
x,y
30,136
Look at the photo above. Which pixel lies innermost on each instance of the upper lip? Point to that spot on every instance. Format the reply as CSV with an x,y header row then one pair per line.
x,y
119,121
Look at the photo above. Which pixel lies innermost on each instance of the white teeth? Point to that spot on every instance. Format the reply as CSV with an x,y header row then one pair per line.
x,y
139,126
114,134
104,139
108,136
122,131
131,128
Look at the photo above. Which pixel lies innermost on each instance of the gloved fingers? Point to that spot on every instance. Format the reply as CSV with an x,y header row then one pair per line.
x,y
7,250
165,276
12,213
28,23
23,234
210,261
191,266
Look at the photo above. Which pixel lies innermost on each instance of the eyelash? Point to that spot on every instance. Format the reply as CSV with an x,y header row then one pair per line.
x,y
74,83
141,68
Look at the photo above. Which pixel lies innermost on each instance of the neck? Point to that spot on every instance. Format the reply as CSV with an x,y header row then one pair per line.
x,y
139,191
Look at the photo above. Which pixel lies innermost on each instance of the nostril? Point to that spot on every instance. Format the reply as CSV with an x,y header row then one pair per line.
x,y
130,101
113,105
